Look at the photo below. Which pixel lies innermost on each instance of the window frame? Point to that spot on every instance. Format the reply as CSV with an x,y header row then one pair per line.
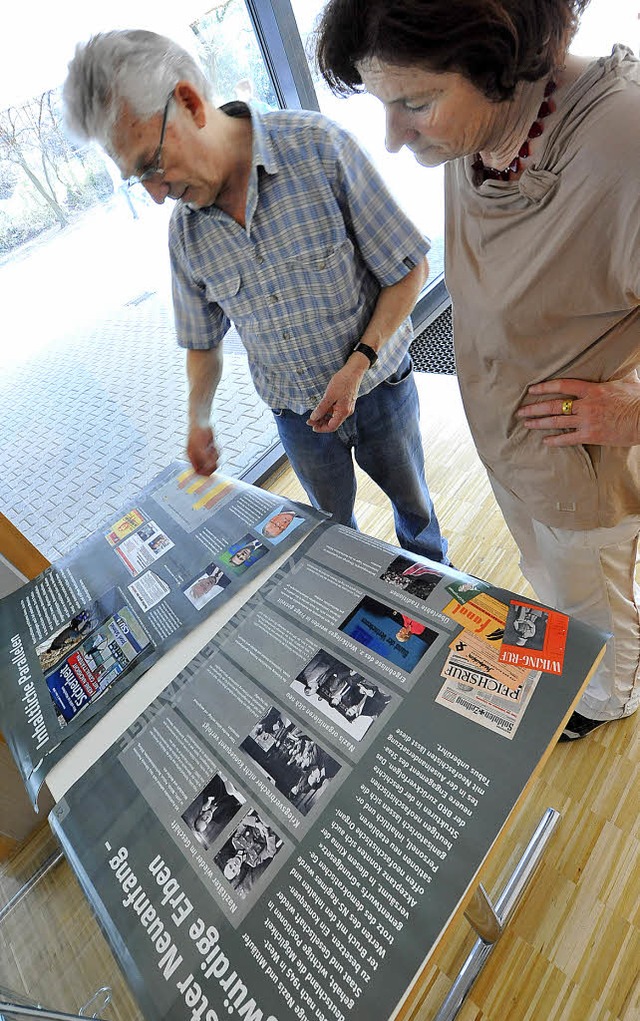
x,y
283,52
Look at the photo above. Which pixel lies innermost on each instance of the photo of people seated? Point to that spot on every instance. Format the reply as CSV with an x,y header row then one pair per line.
x,y
341,694
414,578
215,806
297,766
390,633
279,524
248,853
239,557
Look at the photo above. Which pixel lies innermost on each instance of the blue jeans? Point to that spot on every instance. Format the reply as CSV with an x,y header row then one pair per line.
x,y
384,435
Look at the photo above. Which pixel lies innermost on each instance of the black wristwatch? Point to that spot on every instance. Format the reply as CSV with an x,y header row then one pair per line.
x,y
367,351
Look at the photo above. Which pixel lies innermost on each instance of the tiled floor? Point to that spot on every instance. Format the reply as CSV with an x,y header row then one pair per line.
x,y
93,397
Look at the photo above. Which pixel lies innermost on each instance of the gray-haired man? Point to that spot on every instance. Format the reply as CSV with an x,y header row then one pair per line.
x,y
282,226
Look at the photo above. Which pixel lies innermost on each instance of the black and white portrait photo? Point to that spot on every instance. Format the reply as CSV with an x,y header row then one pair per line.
x,y
248,853
215,806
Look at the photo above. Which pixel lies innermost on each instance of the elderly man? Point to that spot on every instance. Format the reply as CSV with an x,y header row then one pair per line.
x,y
278,524
282,226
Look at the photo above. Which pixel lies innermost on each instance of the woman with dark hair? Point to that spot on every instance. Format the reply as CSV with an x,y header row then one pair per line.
x,y
542,248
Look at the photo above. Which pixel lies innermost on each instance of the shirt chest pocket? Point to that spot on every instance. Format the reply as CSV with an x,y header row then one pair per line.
x,y
331,278
234,297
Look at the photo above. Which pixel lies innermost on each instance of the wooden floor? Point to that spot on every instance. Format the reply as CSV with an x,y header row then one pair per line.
x,y
572,950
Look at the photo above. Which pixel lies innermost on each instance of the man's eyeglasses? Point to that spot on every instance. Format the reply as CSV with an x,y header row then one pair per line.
x,y
155,167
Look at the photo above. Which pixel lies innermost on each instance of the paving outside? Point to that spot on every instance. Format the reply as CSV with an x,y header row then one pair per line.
x,y
93,391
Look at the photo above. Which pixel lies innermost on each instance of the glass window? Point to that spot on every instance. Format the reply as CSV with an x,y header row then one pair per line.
x,y
419,191
93,389
231,57
604,24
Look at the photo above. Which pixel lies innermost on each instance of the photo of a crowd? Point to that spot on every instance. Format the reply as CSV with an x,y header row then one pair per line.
x,y
416,579
341,693
296,765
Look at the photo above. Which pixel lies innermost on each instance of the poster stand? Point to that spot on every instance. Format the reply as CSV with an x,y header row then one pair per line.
x,y
53,859
489,921
9,1008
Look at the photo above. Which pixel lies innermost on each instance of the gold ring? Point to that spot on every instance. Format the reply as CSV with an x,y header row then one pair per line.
x,y
567,407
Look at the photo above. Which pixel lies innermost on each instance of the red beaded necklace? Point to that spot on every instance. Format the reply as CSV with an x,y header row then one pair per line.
x,y
484,173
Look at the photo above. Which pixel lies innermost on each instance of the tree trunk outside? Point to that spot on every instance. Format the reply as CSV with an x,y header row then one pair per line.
x,y
51,201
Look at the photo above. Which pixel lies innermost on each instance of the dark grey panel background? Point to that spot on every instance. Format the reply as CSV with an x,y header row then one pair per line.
x,y
105,806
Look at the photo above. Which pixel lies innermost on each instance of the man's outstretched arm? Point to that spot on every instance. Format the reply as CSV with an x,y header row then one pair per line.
x,y
204,369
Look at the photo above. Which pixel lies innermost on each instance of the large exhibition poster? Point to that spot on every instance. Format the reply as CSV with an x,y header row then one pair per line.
x,y
286,834
75,638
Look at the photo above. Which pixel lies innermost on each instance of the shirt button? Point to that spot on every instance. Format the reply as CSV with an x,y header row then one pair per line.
x,y
274,298
285,334
259,259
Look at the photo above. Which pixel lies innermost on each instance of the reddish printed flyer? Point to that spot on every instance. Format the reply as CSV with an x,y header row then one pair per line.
x,y
534,638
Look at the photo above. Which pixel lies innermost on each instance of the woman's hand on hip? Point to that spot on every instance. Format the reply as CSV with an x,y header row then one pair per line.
x,y
604,414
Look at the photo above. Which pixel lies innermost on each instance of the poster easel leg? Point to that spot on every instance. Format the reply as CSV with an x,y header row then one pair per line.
x,y
15,1005
489,921
51,861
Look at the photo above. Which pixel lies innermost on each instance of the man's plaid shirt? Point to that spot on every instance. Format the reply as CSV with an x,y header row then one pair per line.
x,y
300,282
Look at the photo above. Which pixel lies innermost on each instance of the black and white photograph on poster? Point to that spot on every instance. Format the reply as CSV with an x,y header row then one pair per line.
x,y
214,807
248,853
395,636
341,694
239,557
206,586
416,579
526,625
294,763
278,525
